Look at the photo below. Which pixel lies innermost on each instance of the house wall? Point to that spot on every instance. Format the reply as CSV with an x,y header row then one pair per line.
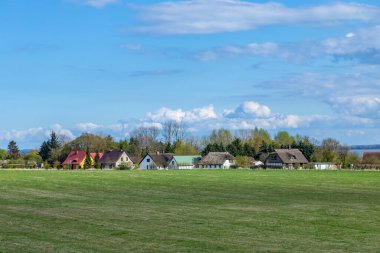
x,y
174,165
274,161
124,158
148,164
227,164
211,166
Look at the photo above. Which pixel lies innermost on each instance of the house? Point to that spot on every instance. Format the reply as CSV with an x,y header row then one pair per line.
x,y
217,160
371,157
324,166
184,162
114,158
286,159
156,161
75,160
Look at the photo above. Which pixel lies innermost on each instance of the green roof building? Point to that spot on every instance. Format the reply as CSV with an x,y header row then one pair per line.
x,y
183,162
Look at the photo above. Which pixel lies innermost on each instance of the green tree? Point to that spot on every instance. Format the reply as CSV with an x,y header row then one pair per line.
x,y
283,139
235,148
3,154
330,150
214,147
50,150
134,148
88,160
184,148
257,137
97,158
351,159
13,150
304,144
45,151
243,162
248,150
123,145
222,137
169,148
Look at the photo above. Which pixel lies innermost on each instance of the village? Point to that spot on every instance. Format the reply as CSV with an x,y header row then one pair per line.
x,y
222,149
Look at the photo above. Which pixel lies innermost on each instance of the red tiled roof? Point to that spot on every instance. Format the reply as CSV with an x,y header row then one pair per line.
x,y
75,157
93,155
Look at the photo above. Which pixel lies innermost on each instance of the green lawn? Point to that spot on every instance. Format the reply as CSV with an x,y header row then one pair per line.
x,y
189,211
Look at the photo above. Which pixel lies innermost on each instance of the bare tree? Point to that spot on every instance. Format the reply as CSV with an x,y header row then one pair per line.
x,y
146,136
173,131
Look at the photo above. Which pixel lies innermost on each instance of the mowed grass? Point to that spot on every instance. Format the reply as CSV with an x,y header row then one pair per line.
x,y
189,211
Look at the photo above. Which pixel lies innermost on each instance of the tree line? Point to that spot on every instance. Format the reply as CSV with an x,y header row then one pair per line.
x,y
175,138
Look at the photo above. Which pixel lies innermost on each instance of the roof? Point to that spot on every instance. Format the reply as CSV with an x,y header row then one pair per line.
x,y
187,160
368,155
93,155
291,156
161,159
77,157
135,159
217,158
111,157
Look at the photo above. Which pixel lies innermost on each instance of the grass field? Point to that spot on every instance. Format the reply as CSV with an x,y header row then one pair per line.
x,y
189,211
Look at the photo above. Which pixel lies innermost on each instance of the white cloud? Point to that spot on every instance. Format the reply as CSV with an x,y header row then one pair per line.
x,y
198,114
353,94
252,49
95,128
358,105
59,130
215,16
88,127
152,124
20,134
96,3
249,109
363,46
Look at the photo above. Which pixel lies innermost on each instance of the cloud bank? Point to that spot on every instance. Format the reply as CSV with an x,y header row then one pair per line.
x,y
217,16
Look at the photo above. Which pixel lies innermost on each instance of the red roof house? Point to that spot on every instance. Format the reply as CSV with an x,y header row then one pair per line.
x,y
75,160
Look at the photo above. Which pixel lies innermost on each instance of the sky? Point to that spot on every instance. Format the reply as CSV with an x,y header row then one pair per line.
x,y
109,66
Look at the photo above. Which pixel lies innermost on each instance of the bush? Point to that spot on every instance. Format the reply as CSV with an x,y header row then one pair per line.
x,y
125,166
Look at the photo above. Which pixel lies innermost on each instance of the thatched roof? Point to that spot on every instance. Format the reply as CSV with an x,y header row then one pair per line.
x,y
161,159
291,156
216,158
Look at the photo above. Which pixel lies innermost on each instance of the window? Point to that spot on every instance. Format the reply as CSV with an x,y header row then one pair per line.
x,y
148,160
122,159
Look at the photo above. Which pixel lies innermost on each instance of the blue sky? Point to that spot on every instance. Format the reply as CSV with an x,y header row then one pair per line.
x,y
108,66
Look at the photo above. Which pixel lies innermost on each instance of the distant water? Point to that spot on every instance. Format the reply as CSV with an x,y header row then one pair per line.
x,y
361,151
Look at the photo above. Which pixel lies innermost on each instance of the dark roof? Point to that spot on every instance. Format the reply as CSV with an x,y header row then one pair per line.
x,y
217,158
161,159
135,159
111,157
289,156
369,155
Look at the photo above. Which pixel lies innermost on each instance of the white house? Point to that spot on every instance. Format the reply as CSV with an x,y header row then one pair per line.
x,y
156,161
113,159
217,160
184,162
